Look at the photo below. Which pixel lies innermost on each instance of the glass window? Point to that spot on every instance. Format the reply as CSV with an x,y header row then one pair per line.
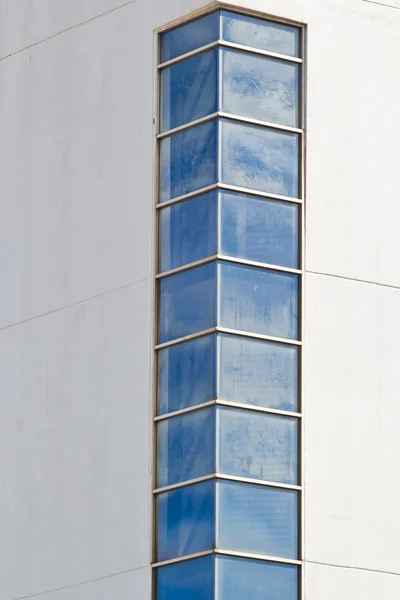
x,y
259,158
188,231
261,34
186,520
187,374
186,447
257,445
189,90
188,160
257,372
259,229
245,579
258,300
190,36
192,579
257,519
187,302
259,87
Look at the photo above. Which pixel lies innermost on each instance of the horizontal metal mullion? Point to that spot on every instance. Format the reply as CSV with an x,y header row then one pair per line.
x,y
172,561
188,125
208,188
187,267
181,484
250,481
251,50
178,59
186,338
258,123
259,409
253,263
184,411
242,190
257,336
263,557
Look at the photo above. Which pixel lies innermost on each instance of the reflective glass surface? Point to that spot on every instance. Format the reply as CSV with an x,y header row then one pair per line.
x,y
245,579
257,33
257,445
191,579
186,520
257,519
188,160
259,229
187,374
187,302
259,158
188,231
258,300
189,36
189,90
186,447
259,87
257,372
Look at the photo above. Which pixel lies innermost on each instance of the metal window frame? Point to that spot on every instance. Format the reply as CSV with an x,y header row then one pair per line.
x,y
157,206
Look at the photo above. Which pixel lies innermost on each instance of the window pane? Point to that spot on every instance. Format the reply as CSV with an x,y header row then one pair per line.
x,y
186,374
189,90
187,302
257,445
186,520
188,160
190,36
242,579
257,519
257,33
186,447
260,88
258,300
188,231
257,372
259,158
259,229
191,579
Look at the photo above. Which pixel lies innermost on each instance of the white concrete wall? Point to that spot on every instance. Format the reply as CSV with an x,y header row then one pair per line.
x,y
76,109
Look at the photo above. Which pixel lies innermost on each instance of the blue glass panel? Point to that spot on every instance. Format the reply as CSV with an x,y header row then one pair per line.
x,y
258,300
187,302
258,33
188,580
189,90
187,374
188,231
245,579
258,229
257,445
188,160
257,519
190,36
258,372
260,88
259,158
186,520
186,447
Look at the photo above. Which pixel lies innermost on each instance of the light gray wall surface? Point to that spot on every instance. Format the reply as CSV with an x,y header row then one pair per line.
x,y
76,160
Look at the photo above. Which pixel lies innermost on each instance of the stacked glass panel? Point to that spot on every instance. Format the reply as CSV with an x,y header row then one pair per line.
x,y
229,209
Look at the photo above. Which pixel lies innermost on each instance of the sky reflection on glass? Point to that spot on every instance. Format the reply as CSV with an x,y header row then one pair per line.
x,y
186,520
186,447
257,519
258,33
259,158
187,374
188,160
259,229
258,300
191,579
259,373
245,579
257,446
189,90
259,87
189,36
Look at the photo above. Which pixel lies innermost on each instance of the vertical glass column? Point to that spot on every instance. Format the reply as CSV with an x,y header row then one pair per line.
x,y
227,416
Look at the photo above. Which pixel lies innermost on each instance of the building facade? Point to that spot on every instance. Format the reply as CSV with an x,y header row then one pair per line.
x,y
199,314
